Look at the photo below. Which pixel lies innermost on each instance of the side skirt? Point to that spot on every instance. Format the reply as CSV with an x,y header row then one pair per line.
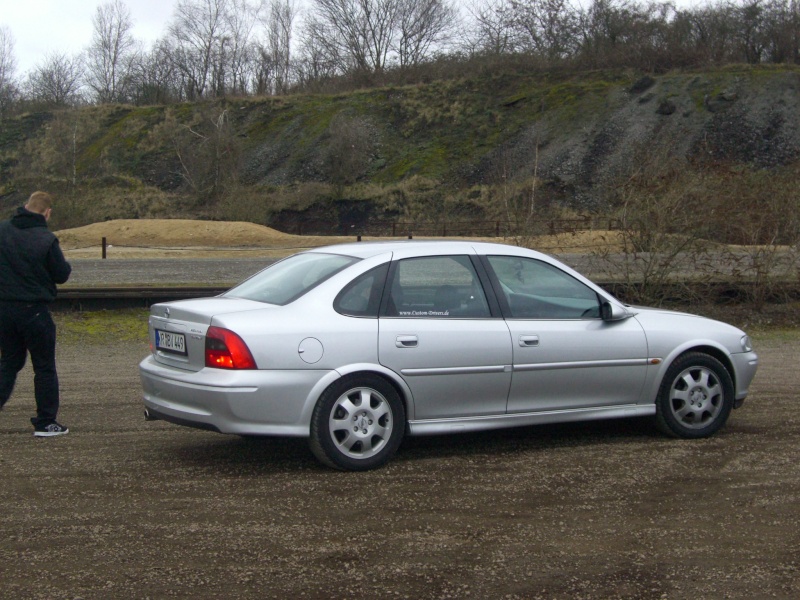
x,y
483,423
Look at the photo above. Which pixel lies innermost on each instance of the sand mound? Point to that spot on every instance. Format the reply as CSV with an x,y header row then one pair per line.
x,y
172,233
139,238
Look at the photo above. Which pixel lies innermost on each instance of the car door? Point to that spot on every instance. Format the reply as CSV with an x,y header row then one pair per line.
x,y
438,331
564,355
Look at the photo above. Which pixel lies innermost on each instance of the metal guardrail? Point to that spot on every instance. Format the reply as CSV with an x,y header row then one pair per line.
x,y
87,298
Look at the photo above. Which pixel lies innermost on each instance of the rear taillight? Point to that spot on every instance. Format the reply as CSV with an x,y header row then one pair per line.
x,y
226,350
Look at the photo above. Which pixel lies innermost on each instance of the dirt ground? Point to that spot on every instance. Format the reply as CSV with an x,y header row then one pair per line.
x,y
123,508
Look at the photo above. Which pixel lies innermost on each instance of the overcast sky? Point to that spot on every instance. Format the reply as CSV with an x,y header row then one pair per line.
x,y
43,26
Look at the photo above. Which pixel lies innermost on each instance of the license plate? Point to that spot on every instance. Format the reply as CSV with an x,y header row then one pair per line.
x,y
169,341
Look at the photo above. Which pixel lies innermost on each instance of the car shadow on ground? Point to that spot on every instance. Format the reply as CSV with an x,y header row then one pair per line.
x,y
264,455
534,437
254,455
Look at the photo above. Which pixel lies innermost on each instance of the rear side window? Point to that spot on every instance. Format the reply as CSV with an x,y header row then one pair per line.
x,y
362,296
436,287
289,279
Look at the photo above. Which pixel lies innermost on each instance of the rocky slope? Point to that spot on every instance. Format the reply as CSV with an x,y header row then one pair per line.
x,y
578,132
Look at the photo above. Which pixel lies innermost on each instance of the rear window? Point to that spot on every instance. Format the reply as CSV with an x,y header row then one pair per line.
x,y
287,280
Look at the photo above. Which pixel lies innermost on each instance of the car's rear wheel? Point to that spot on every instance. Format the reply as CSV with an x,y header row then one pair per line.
x,y
695,398
358,423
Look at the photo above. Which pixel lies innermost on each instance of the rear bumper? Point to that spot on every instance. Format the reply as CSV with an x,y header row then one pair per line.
x,y
152,414
237,402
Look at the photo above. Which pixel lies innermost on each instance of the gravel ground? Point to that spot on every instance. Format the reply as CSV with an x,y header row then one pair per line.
x,y
122,508
163,272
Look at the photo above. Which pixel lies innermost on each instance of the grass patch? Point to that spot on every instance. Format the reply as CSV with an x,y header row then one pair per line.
x,y
102,326
782,334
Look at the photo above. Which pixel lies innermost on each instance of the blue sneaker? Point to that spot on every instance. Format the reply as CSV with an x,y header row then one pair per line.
x,y
51,430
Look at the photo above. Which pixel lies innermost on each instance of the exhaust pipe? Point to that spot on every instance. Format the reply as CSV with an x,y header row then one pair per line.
x,y
148,416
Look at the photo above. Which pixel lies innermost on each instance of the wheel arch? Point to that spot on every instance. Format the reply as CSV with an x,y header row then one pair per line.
x,y
391,377
695,417
715,352
705,347
379,425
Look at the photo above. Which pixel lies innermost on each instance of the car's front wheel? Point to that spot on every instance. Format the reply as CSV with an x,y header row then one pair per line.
x,y
358,423
695,398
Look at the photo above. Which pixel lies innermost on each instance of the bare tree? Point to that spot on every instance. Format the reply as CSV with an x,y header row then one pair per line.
x,y
240,50
281,22
198,34
358,34
489,31
56,82
8,87
109,54
274,55
319,60
781,31
602,31
421,26
548,28
213,47
750,20
324,50
712,34
155,79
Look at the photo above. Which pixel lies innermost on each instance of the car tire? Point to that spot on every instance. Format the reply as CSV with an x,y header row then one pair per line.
x,y
695,397
358,423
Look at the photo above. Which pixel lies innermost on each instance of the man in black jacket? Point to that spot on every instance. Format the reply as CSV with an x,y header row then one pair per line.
x,y
31,264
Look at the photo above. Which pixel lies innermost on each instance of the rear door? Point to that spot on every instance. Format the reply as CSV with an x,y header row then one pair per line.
x,y
439,332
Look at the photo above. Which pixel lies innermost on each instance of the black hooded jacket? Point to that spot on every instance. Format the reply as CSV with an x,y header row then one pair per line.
x,y
31,261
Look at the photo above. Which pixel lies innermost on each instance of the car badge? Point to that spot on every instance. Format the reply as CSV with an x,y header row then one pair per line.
x,y
166,312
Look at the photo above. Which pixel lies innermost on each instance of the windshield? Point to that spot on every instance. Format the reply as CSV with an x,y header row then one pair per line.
x,y
289,279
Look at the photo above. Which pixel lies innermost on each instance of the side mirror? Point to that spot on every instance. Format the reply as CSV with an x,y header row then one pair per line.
x,y
612,312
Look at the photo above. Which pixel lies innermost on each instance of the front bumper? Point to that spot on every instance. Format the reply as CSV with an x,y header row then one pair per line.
x,y
252,402
745,366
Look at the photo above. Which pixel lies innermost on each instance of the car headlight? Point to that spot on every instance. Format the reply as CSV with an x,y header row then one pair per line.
x,y
746,345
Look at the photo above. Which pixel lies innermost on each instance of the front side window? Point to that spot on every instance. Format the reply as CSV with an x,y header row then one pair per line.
x,y
436,287
536,290
287,280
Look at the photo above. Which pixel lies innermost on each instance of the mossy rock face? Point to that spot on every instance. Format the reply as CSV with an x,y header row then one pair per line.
x,y
642,84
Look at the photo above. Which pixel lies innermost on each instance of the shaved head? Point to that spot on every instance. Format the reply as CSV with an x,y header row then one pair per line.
x,y
39,202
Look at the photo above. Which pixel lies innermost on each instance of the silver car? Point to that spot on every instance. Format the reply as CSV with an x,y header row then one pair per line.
x,y
357,345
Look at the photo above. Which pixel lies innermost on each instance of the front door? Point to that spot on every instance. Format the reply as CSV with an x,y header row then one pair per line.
x,y
565,355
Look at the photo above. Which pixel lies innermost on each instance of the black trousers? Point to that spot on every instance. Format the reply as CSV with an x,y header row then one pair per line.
x,y
29,328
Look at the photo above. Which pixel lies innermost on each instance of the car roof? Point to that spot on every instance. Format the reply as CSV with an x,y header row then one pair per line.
x,y
424,247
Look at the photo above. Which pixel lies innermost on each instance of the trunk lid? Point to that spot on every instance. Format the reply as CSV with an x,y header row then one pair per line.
x,y
177,330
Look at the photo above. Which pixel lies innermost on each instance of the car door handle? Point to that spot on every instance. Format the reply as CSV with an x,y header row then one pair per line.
x,y
528,341
406,341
